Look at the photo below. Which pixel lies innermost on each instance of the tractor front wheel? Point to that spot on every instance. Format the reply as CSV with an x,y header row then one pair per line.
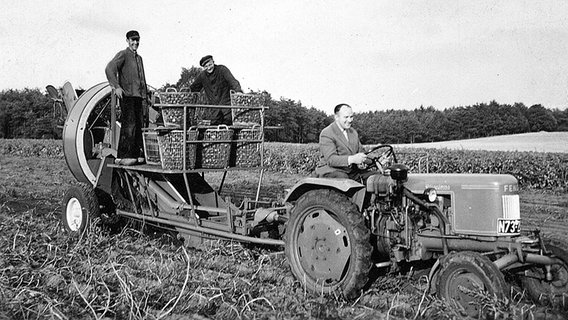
x,y
80,207
328,244
554,290
467,278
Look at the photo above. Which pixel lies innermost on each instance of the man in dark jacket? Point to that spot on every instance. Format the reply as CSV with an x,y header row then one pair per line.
x,y
125,73
217,81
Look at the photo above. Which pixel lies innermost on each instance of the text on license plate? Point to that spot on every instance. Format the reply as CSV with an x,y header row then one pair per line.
x,y
509,226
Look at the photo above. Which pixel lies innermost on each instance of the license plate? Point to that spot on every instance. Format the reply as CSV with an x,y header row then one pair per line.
x,y
509,225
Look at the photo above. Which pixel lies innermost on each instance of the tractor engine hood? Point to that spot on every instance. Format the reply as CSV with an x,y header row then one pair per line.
x,y
476,204
461,181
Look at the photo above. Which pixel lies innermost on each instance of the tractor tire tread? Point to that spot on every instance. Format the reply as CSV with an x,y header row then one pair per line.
x,y
361,236
484,264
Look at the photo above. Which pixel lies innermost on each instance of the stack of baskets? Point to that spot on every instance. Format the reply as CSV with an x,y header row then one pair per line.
x,y
209,148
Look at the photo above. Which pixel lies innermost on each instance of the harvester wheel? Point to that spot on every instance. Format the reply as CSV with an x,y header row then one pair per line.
x,y
468,280
328,244
80,206
552,293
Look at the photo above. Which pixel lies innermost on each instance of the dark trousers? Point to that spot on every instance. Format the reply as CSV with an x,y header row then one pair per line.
x,y
130,144
220,116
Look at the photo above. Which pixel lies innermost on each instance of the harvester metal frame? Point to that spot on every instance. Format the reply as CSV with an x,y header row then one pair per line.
x,y
164,196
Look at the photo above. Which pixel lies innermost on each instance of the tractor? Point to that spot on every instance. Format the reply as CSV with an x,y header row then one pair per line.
x,y
466,228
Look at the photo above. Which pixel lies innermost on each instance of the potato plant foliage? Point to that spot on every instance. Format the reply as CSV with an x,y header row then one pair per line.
x,y
532,169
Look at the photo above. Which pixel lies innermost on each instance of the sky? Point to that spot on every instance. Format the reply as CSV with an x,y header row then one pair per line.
x,y
371,54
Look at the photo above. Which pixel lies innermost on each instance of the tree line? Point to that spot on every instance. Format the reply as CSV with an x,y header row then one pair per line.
x,y
29,113
456,123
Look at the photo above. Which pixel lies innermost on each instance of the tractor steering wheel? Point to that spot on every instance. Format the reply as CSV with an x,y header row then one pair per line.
x,y
379,158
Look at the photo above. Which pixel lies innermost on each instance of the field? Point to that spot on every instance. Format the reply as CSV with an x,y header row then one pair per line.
x,y
136,272
533,141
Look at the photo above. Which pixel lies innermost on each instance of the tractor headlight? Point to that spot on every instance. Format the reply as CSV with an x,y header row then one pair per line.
x,y
431,194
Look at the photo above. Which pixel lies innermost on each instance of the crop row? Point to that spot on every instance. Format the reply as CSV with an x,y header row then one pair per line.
x,y
532,169
32,148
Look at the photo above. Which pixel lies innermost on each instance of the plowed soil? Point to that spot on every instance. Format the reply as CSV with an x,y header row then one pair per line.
x,y
137,273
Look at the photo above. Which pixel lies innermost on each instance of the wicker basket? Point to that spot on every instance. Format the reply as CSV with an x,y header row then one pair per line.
x,y
173,97
172,103
151,147
248,152
216,155
173,116
248,115
171,149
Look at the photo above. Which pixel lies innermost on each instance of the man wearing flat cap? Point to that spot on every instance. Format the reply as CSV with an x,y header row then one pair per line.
x,y
125,73
217,81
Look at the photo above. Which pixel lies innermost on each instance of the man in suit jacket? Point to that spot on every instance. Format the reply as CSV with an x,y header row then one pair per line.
x,y
342,154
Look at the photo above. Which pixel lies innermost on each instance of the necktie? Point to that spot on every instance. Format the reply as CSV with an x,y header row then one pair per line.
x,y
345,134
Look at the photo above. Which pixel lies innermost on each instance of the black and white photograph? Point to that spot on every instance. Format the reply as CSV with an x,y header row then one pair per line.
x,y
324,159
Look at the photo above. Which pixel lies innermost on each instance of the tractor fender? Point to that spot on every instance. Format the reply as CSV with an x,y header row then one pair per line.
x,y
351,188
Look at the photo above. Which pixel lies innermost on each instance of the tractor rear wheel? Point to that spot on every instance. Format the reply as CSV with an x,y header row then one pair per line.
x,y
552,293
467,278
328,244
80,207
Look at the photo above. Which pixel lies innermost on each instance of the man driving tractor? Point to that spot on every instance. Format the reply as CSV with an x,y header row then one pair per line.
x,y
342,154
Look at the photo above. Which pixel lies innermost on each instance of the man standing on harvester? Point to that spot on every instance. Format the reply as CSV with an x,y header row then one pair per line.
x,y
217,81
125,73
